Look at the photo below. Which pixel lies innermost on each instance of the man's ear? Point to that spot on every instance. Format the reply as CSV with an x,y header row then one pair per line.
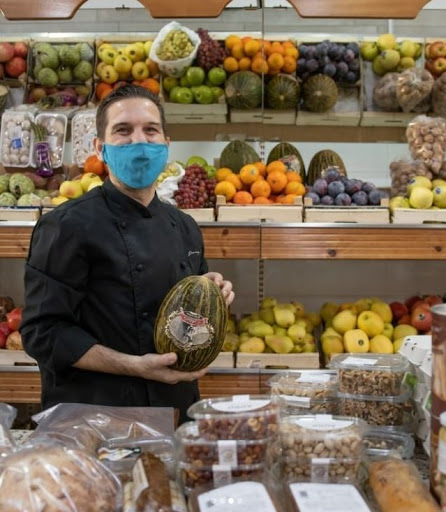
x,y
168,141
98,145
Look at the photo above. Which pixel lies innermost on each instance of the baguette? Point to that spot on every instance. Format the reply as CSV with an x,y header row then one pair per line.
x,y
151,485
397,487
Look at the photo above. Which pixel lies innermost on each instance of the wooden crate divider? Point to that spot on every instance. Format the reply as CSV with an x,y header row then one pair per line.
x,y
357,214
228,212
414,216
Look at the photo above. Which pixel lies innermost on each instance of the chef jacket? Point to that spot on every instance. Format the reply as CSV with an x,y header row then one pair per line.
x,y
97,271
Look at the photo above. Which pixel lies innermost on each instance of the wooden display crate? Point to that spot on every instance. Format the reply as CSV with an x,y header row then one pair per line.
x,y
357,214
201,214
265,116
279,361
258,212
224,360
193,113
245,116
20,82
19,213
16,358
414,216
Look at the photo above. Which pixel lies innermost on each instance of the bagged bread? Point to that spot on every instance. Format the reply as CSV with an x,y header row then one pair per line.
x,y
414,85
439,96
384,92
427,140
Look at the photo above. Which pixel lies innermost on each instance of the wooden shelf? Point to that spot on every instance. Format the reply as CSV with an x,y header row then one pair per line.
x,y
21,387
14,241
231,242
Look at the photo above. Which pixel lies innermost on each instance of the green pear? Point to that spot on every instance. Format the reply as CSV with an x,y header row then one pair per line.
x,y
369,50
408,48
260,329
267,315
231,327
280,344
330,332
299,309
253,345
268,302
344,321
284,317
296,333
280,331
309,344
243,324
377,66
255,316
243,337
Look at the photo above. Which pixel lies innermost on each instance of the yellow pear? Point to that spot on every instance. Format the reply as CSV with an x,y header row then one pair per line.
x,y
309,344
397,344
330,332
403,330
231,326
329,310
268,302
297,349
280,344
383,310
56,201
260,329
363,305
253,345
296,333
231,342
267,315
388,331
344,321
381,344
243,337
332,345
299,309
356,341
349,305
284,317
280,331
315,318
243,323
371,323
71,189
255,316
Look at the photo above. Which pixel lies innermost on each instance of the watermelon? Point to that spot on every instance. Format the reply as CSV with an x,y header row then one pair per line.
x,y
244,90
282,92
192,323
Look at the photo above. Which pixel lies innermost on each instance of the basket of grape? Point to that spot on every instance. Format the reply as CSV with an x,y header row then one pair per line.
x,y
174,49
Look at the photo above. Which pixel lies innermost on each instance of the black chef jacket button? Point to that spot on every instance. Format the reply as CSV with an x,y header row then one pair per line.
x,y
139,267
123,224
145,314
183,265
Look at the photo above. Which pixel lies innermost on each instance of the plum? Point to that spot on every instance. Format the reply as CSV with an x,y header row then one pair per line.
x,y
303,50
320,186
351,77
349,55
367,186
360,198
302,64
311,52
315,197
342,68
327,200
334,52
353,65
354,47
312,65
323,61
343,199
352,186
375,196
335,188
332,174
321,50
329,69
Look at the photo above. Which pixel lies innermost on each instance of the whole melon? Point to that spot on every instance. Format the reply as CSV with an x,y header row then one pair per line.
x,y
282,92
237,154
320,93
322,161
244,90
284,150
192,323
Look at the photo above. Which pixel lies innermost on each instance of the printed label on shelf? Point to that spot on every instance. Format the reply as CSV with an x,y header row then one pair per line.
x,y
358,361
316,378
239,497
313,497
227,452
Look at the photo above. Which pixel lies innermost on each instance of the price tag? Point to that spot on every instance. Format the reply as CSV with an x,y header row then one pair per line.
x,y
358,361
315,497
303,401
314,378
227,453
241,403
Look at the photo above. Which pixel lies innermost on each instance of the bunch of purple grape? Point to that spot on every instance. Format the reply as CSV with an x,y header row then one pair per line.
x,y
195,190
210,53
335,189
339,61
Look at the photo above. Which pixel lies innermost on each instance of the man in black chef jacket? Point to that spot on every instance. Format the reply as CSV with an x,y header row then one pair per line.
x,y
99,267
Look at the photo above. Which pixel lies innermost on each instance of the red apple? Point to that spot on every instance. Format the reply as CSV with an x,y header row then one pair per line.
x,y
429,65
14,318
439,65
420,304
5,329
15,67
6,52
20,49
437,49
405,319
398,309
411,301
427,50
2,71
433,300
421,319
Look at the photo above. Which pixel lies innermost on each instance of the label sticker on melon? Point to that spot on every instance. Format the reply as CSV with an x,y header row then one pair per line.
x,y
188,330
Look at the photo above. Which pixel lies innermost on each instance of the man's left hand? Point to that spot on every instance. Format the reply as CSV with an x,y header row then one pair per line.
x,y
225,286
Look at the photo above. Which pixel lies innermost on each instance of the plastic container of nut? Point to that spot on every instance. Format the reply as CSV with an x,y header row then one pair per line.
x,y
307,385
376,410
291,404
370,374
380,443
315,469
236,417
16,138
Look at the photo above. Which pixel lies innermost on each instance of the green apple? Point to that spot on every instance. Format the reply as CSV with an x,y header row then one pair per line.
x,y
173,94
184,82
196,160
195,75
204,95
216,76
389,59
210,171
386,42
369,50
377,66
406,63
169,82
184,95
217,92
440,196
408,48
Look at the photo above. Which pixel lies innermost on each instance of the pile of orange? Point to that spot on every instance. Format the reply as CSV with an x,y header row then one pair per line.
x,y
260,56
258,183
103,89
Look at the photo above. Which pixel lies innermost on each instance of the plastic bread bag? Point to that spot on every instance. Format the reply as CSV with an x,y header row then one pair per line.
x,y
384,93
439,96
427,140
414,85
171,66
51,477
92,426
7,417
168,180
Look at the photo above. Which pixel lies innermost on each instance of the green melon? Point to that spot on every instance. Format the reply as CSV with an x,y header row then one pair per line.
x,y
237,154
192,323
282,92
322,161
244,90
285,150
320,93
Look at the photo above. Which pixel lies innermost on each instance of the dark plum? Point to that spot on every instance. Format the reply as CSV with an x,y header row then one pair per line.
x,y
367,186
321,50
349,55
343,199
335,188
360,184
332,174
351,77
302,64
303,50
327,200
330,69
344,179
354,47
312,65
352,186
360,198
323,61
305,75
311,52
315,198
320,186
353,65
375,196
342,68
334,52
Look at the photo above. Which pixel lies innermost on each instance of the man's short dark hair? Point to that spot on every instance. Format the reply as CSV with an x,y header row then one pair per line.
x,y
123,93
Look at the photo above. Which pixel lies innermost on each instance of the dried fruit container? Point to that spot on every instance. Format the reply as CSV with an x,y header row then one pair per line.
x,y
237,417
193,449
303,384
376,410
381,443
83,129
16,138
370,374
55,126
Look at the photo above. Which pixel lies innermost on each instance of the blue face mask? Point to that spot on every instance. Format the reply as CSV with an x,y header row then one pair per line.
x,y
136,165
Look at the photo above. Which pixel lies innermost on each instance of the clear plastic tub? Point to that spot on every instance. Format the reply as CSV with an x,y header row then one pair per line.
x,y
380,443
16,138
56,127
370,374
309,385
321,436
237,417
291,404
376,410
83,131
193,449
319,469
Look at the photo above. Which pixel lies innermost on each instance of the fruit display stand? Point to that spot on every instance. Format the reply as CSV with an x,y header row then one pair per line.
x,y
414,216
256,212
201,214
357,215
19,213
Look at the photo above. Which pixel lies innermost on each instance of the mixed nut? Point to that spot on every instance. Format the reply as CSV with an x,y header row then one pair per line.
x,y
370,382
194,475
374,412
259,427
321,470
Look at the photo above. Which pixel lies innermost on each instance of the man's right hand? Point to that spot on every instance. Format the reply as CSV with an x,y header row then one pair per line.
x,y
156,367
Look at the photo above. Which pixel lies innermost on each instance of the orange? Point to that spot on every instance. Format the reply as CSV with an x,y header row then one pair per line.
x,y
244,64
296,188
277,181
246,39
249,174
287,44
102,89
151,84
251,47
288,199
225,188
261,167
266,46
289,64
275,61
292,52
153,68
230,64
277,47
260,188
277,165
293,176
231,41
262,200
235,180
242,198
221,174
279,199
260,66
94,165
237,51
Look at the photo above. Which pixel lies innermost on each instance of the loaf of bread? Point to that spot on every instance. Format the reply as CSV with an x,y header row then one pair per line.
x,y
151,485
55,479
397,487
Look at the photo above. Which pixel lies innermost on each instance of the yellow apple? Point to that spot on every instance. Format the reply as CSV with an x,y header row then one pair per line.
x,y
147,46
108,55
56,201
381,344
388,330
140,71
134,52
87,179
357,341
71,189
371,323
383,310
344,321
403,330
122,64
109,75
94,184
